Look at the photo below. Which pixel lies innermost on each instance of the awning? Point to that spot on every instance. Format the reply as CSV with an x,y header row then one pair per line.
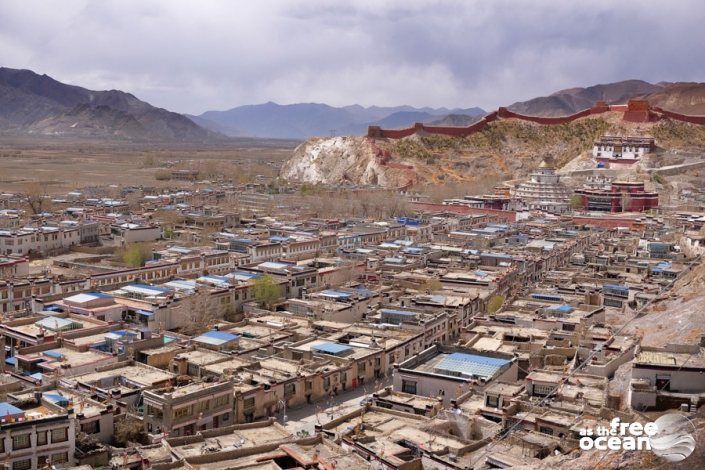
x,y
145,312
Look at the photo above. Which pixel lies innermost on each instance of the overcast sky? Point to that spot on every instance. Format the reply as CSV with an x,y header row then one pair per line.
x,y
198,55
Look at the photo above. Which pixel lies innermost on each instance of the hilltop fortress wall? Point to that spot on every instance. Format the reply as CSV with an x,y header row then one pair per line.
x,y
635,111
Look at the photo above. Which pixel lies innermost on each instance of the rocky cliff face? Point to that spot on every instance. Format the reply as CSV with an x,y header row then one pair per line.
x,y
339,160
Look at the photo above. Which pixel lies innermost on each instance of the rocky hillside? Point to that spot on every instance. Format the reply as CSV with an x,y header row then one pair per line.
x,y
686,98
505,149
38,104
340,160
83,121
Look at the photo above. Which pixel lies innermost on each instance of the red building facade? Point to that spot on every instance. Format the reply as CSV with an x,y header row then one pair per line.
x,y
621,197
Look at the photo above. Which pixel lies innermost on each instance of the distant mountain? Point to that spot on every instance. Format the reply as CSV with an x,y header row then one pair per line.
x,y
577,99
85,121
305,120
38,104
272,120
455,120
686,98
215,127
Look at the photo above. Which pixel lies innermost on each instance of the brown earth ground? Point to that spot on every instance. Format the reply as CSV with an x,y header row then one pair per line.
x,y
63,165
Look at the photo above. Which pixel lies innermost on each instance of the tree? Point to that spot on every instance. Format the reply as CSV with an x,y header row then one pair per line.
x,y
137,255
576,200
495,304
432,285
199,312
37,199
129,429
626,202
266,290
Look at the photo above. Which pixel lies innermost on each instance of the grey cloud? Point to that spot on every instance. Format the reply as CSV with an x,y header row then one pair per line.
x,y
194,56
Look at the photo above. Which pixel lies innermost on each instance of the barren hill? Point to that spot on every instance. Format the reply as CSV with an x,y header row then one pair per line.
x,y
565,102
38,104
685,98
84,121
504,149
338,160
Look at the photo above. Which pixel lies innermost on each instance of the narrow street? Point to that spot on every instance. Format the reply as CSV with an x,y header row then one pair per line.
x,y
304,417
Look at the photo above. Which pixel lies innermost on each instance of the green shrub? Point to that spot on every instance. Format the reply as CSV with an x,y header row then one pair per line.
x,y
162,175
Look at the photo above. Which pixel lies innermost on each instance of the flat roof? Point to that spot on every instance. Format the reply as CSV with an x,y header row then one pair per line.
x,y
331,348
467,365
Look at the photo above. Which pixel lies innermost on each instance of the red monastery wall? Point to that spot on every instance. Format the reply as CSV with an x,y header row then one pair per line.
x,y
681,117
635,111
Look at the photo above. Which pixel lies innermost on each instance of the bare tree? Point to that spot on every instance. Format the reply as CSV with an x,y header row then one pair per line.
x,y
626,202
199,312
37,198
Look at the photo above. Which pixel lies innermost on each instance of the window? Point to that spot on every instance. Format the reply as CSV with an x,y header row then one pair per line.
x,y
543,390
62,457
182,412
20,442
492,401
546,430
222,400
59,435
225,416
249,402
91,427
22,464
326,382
2,445
408,386
204,405
309,386
289,389
361,366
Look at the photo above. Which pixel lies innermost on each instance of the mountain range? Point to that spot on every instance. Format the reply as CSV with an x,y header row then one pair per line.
x,y
304,120
39,105
686,98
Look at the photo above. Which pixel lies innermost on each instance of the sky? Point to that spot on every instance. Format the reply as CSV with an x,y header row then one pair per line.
x,y
194,56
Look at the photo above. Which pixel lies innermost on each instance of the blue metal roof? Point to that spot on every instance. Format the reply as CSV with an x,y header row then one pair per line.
x,y
53,354
470,364
556,298
6,408
216,337
386,311
145,286
335,294
615,286
53,308
58,399
331,348
100,295
497,255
